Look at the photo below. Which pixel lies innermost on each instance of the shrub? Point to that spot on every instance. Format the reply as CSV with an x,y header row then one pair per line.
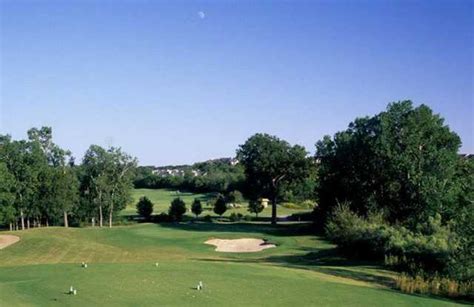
x,y
235,217
145,207
255,207
235,197
177,209
163,217
196,207
220,206
248,218
207,218
429,249
306,204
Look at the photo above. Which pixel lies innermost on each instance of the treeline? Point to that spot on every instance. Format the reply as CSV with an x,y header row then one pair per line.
x,y
203,177
222,177
40,184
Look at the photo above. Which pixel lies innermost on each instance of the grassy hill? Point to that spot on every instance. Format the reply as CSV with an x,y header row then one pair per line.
x,y
302,271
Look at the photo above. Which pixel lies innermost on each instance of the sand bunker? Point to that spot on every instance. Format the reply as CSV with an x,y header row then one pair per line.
x,y
244,245
7,240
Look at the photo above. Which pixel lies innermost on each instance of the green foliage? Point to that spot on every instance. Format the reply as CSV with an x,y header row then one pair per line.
x,y
428,249
402,161
234,197
271,163
211,176
220,206
306,204
145,207
255,206
235,217
177,209
196,207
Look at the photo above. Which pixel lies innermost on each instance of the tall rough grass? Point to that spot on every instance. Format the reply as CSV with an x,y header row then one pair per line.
x,y
436,286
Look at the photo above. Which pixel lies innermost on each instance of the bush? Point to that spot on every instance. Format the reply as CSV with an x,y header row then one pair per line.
x,y
145,207
429,250
177,209
162,218
196,207
220,206
235,197
255,206
235,217
248,218
307,204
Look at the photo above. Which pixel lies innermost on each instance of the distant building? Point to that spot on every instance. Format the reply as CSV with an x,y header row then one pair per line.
x,y
264,202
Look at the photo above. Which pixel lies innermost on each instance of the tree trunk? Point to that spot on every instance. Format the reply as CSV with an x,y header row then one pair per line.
x,y
11,227
93,221
274,211
22,220
110,217
28,223
66,224
47,223
101,218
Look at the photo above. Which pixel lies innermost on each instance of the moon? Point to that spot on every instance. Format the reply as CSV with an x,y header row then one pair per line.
x,y
201,14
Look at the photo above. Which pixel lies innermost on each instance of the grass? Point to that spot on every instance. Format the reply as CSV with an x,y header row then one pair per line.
x,y
162,198
303,270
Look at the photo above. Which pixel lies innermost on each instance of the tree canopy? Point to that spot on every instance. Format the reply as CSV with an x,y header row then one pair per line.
x,y
269,164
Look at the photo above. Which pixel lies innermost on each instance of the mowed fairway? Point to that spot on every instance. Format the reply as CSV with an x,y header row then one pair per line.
x,y
162,198
302,271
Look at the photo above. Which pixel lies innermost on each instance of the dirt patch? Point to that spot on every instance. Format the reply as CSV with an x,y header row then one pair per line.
x,y
244,245
7,240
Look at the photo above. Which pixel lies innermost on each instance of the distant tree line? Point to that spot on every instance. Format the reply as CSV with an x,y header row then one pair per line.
x,y
40,184
213,176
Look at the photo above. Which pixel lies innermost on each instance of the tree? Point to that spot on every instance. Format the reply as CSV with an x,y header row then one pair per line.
x,y
220,206
177,209
107,179
145,207
120,171
196,207
401,161
255,206
269,164
7,196
235,197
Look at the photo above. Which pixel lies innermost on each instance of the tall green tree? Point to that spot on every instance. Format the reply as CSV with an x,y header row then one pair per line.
x,y
196,207
7,196
107,180
220,206
177,209
270,163
401,161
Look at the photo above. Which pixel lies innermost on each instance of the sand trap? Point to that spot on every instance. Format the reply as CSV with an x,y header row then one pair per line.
x,y
244,245
7,240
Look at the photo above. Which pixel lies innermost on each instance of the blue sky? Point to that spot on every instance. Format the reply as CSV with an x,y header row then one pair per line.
x,y
185,81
